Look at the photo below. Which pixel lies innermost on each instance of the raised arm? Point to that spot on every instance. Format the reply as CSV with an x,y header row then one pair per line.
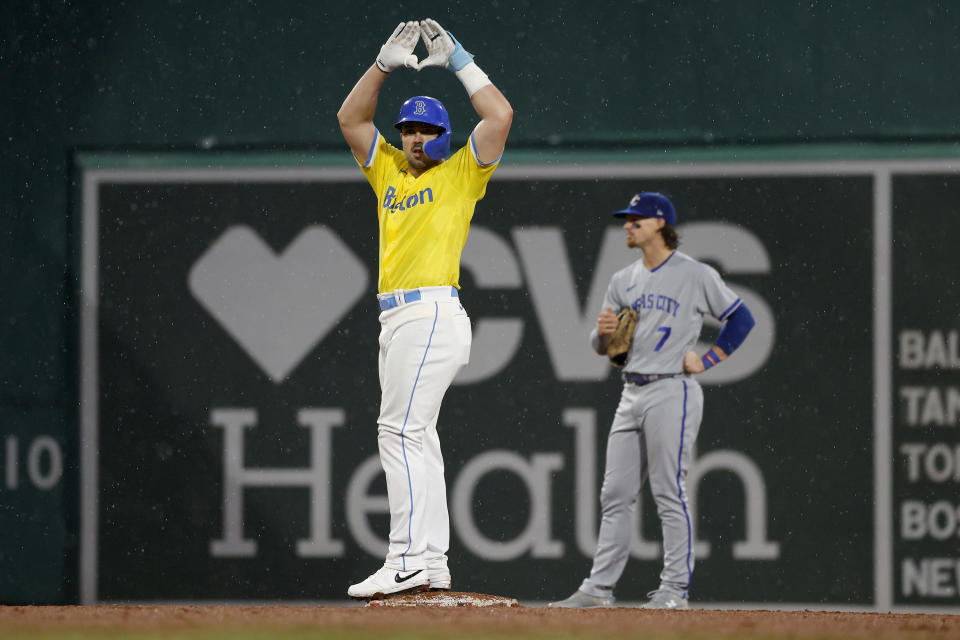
x,y
357,111
496,114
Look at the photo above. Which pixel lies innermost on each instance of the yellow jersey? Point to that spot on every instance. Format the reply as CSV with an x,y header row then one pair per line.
x,y
423,221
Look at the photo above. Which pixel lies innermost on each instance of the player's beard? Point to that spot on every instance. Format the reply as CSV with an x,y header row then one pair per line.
x,y
421,162
634,242
639,236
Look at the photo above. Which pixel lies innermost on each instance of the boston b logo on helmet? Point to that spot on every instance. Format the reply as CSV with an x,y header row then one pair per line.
x,y
430,111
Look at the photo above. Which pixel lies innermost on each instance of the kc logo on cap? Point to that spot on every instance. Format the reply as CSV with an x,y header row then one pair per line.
x,y
650,204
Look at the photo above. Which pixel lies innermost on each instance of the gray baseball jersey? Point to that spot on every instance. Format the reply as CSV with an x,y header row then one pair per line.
x,y
671,301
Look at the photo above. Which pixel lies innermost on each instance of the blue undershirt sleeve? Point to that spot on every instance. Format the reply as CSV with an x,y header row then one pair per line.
x,y
735,329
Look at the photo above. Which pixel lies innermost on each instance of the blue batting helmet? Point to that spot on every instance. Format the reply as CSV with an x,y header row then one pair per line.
x,y
650,204
431,111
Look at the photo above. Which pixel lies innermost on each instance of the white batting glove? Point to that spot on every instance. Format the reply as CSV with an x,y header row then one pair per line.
x,y
397,51
443,50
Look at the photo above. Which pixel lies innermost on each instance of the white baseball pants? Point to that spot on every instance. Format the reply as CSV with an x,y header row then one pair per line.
x,y
423,345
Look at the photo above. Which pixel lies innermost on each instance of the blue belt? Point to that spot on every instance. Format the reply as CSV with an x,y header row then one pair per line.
x,y
641,379
414,295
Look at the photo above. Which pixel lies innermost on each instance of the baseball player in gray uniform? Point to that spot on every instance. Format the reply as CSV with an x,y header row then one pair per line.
x,y
658,417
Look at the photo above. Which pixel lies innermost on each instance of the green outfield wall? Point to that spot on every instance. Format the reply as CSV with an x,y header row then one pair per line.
x,y
811,149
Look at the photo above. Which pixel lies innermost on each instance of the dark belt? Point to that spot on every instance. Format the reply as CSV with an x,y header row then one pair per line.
x,y
641,379
413,295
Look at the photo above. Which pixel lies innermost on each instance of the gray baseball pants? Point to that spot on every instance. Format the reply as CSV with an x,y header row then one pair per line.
x,y
652,437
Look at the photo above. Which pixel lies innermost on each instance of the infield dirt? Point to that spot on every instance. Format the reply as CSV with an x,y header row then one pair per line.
x,y
435,621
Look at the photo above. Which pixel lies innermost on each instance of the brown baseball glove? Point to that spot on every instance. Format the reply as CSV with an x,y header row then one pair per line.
x,y
619,345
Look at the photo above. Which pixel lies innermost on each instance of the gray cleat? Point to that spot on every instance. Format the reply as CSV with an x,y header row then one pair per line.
x,y
664,599
581,600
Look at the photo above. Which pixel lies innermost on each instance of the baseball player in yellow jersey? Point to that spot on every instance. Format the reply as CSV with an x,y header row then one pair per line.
x,y
425,201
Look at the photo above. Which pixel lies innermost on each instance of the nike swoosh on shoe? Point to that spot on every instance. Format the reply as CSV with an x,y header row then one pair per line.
x,y
400,580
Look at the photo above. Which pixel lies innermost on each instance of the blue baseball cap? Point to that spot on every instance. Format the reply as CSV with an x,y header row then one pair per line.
x,y
650,204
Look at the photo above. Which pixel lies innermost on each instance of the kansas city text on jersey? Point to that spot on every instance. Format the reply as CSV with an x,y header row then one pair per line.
x,y
657,301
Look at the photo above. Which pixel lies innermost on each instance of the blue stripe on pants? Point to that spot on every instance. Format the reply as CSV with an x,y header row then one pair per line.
x,y
680,492
403,446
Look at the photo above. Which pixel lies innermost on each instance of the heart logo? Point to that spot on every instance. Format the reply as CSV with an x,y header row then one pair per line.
x,y
278,307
